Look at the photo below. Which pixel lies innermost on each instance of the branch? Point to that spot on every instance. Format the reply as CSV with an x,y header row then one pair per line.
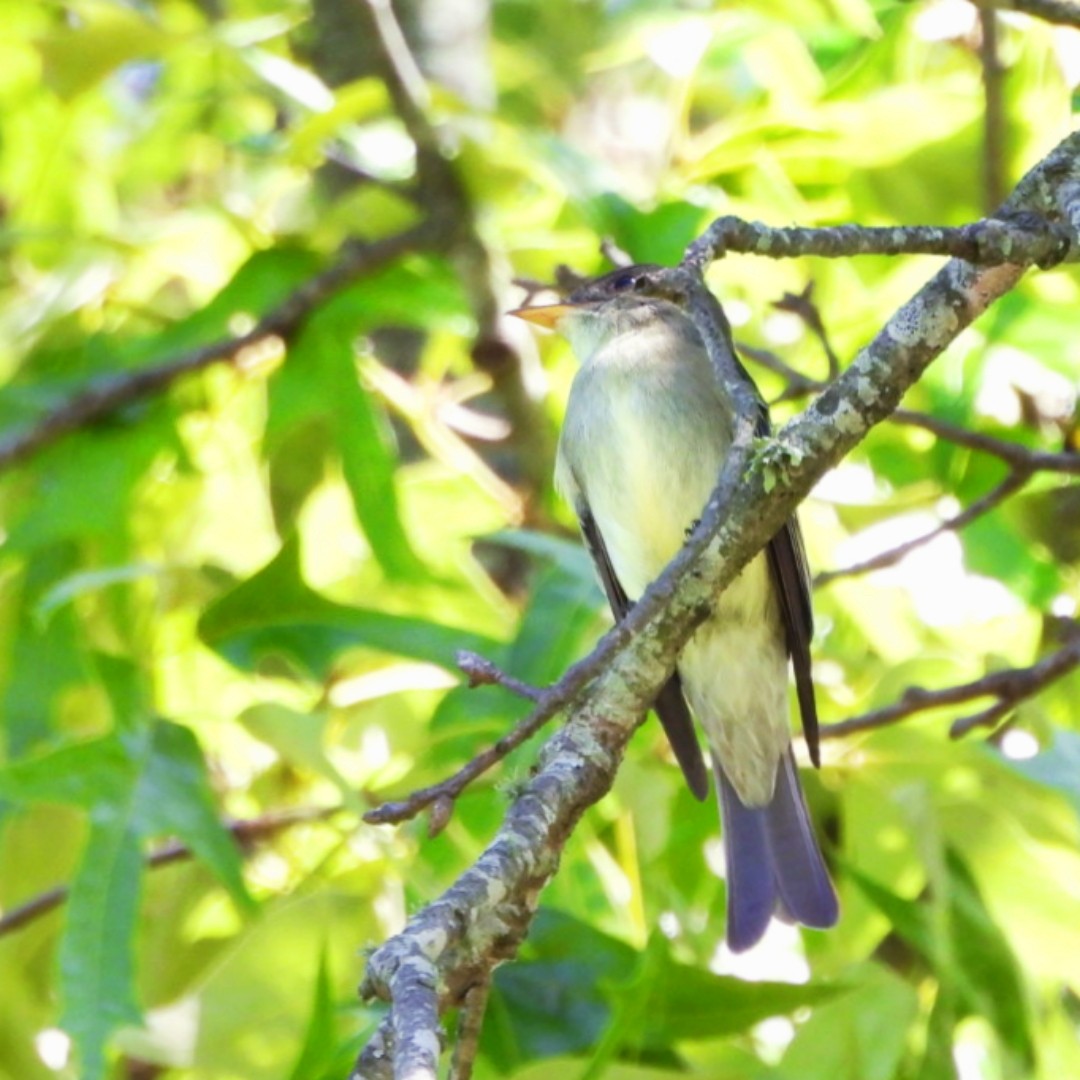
x,y
995,497
482,918
997,241
111,392
1019,457
245,832
481,671
1010,687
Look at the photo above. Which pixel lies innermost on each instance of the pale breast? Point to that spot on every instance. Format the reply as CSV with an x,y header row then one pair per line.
x,y
644,439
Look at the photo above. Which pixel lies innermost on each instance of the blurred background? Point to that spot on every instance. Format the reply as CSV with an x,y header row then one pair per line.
x,y
230,606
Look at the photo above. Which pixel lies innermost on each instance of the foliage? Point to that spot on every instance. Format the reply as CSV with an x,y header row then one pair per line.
x,y
244,595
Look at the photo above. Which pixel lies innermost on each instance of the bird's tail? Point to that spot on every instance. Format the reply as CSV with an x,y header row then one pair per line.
x,y
774,864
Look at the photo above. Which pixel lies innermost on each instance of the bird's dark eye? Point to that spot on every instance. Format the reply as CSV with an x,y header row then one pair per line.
x,y
624,281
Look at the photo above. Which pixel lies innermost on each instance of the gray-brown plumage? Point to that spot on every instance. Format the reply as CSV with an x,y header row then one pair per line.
x,y
646,432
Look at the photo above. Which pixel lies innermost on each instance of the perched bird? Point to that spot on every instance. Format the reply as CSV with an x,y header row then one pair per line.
x,y
647,428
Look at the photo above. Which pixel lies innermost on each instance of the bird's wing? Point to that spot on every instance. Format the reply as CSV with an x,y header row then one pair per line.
x,y
670,705
791,575
787,560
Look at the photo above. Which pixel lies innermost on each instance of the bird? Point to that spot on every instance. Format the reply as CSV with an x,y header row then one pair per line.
x,y
648,425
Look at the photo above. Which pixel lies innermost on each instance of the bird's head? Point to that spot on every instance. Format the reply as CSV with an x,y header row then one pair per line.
x,y
605,308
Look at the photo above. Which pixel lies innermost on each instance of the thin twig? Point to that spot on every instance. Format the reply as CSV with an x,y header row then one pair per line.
x,y
246,832
1010,687
802,304
482,672
994,497
108,393
549,702
1019,457
799,385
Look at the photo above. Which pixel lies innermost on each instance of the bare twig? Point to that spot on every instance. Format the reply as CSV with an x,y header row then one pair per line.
x,y
798,384
1019,457
246,832
109,393
482,672
1010,687
995,497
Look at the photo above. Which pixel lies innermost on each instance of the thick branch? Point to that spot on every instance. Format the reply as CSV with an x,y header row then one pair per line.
x,y
990,242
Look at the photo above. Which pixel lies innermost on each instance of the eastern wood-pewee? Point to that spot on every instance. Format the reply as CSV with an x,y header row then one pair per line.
x,y
647,427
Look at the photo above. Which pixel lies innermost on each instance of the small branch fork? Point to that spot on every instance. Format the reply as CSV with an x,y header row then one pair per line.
x,y
451,946
1009,687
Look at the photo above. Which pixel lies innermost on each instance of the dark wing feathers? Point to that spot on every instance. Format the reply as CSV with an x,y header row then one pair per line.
x,y
670,705
791,575
787,561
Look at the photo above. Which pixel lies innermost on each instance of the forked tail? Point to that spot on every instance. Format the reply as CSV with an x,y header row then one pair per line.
x,y
774,864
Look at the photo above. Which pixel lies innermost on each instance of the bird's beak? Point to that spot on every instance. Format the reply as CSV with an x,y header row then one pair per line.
x,y
543,314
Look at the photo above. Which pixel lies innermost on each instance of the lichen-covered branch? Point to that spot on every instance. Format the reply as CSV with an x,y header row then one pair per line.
x,y
485,914
993,241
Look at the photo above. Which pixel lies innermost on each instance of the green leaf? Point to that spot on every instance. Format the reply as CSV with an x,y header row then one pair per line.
x,y
975,966
41,656
299,739
988,974
174,797
97,772
554,628
861,1037
575,987
317,1051
97,962
324,352
274,613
